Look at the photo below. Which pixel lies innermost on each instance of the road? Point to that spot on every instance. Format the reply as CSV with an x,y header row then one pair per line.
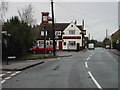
x,y
90,69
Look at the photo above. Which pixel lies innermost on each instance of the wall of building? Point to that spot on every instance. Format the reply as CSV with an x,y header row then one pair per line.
x,y
72,26
67,46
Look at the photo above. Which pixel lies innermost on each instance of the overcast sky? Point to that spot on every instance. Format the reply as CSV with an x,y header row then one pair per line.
x,y
98,16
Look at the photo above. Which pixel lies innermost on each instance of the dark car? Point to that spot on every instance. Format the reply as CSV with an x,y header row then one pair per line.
x,y
40,49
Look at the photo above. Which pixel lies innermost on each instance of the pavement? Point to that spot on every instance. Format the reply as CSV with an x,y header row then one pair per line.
x,y
115,51
15,65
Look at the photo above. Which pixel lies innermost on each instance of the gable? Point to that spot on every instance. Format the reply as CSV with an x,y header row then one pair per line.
x,y
72,26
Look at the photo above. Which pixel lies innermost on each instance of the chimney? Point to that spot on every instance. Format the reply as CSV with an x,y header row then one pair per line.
x,y
75,21
83,24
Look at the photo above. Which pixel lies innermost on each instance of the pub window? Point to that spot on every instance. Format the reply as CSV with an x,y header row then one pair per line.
x,y
42,33
72,43
64,43
57,32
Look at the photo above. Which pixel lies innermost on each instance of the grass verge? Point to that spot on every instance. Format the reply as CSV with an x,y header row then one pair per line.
x,y
39,57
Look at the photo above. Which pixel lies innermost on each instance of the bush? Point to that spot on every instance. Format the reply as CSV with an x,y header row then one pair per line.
x,y
21,37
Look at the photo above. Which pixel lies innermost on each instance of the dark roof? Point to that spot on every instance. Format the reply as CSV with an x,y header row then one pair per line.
x,y
80,27
58,26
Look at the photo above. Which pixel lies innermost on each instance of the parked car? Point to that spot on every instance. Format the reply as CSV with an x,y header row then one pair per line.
x,y
40,49
107,46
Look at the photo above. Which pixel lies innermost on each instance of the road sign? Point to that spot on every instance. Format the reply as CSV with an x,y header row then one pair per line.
x,y
11,57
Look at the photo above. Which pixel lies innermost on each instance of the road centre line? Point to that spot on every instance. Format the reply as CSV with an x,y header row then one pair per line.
x,y
2,81
9,72
94,80
2,75
86,64
13,74
17,72
88,58
7,78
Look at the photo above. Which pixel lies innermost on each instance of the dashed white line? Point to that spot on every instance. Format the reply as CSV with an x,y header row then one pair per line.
x,y
88,58
17,72
86,64
2,81
2,75
13,74
95,81
7,78
9,72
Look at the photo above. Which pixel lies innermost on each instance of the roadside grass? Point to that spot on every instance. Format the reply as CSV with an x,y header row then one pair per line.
x,y
39,57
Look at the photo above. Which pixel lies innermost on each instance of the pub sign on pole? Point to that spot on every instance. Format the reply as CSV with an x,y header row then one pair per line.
x,y
45,17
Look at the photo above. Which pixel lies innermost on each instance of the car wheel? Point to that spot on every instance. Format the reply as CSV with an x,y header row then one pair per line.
x,y
50,52
34,52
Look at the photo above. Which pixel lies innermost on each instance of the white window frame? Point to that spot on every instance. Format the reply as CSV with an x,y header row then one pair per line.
x,y
71,31
42,33
58,33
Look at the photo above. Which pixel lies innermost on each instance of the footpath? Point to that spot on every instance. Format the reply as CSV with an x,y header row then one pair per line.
x,y
115,51
24,64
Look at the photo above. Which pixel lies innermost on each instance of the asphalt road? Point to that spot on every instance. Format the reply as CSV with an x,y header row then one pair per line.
x,y
91,69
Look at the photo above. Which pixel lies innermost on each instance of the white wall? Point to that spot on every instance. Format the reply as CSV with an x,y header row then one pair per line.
x,y
66,33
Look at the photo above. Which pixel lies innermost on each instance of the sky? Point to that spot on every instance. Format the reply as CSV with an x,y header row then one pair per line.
x,y
99,15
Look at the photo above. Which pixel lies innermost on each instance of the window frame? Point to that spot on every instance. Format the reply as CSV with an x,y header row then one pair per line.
x,y
71,31
72,43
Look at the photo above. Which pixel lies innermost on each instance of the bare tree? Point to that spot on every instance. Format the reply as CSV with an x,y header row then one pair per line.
x,y
26,15
3,10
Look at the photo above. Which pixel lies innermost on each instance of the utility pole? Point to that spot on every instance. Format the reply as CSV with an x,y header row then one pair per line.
x,y
44,40
83,24
106,33
54,46
89,37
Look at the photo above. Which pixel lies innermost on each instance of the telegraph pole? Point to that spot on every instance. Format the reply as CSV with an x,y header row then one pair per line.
x,y
106,34
44,40
54,46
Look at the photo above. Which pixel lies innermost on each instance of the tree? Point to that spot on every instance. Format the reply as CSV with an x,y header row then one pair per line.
x,y
22,36
3,10
26,15
106,41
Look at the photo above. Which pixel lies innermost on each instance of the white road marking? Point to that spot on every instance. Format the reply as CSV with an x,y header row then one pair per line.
x,y
97,84
86,64
2,75
17,72
9,72
7,78
58,58
13,74
2,81
88,58
30,60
